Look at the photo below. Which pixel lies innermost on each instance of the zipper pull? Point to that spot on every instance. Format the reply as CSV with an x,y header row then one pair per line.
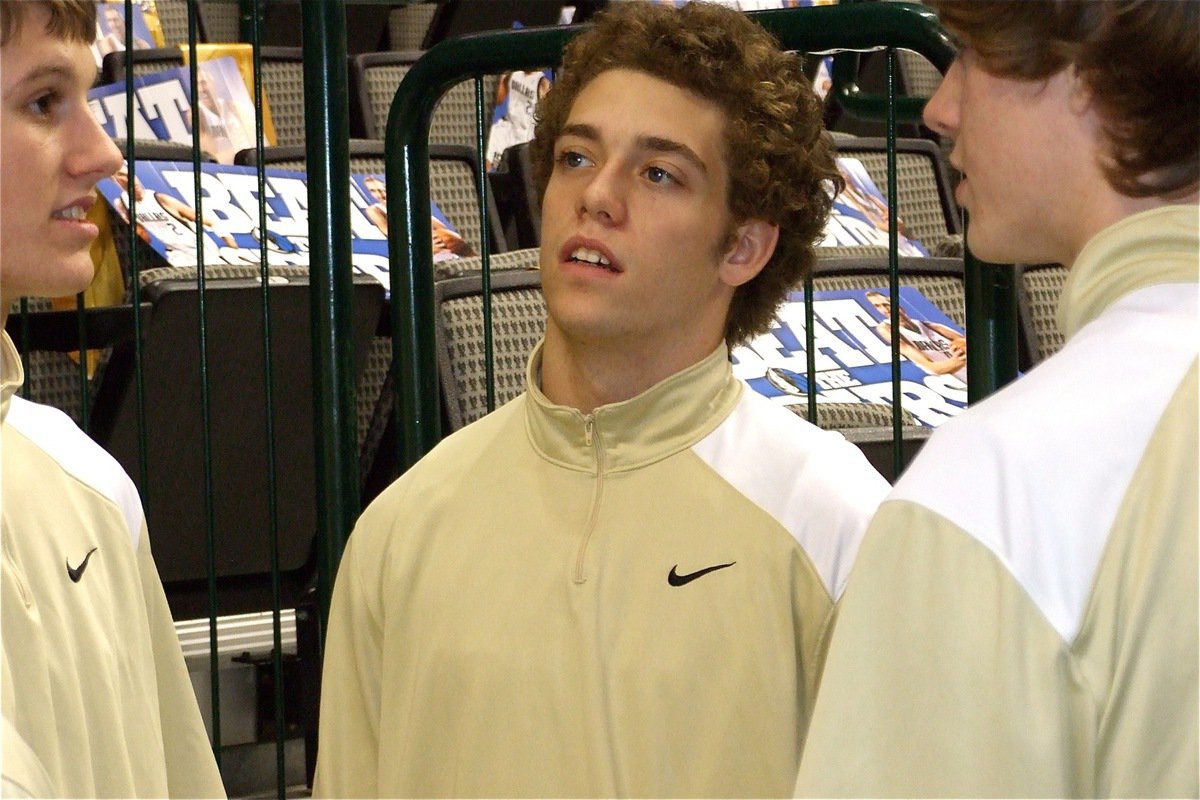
x,y
589,423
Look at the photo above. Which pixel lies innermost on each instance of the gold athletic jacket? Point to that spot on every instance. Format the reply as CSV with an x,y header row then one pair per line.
x,y
1022,619
96,699
629,603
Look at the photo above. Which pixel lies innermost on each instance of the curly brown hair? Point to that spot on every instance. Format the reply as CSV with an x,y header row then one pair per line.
x,y
1138,58
780,158
72,20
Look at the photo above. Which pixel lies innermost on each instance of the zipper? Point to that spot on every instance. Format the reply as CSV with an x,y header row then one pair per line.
x,y
593,441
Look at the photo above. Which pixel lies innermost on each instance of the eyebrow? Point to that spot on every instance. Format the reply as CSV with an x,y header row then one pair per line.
x,y
58,71
656,144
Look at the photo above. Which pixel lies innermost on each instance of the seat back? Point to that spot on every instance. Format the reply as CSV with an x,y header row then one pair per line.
x,y
145,62
1038,290
236,389
518,322
408,25
220,20
452,182
924,200
453,123
283,81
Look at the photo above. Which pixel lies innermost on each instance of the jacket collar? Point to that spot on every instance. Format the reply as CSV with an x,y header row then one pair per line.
x,y
1145,249
12,374
666,418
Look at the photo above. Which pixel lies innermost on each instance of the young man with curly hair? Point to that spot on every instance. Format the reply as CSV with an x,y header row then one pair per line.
x,y
95,695
1022,619
620,583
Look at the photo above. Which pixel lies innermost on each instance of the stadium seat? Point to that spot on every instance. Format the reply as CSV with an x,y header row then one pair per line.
x,y
924,199
171,377
452,183
377,76
282,76
516,268
452,186
408,25
940,280
518,322
1038,290
218,21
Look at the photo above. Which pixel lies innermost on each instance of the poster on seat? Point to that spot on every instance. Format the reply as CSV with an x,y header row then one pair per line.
x,y
228,217
852,340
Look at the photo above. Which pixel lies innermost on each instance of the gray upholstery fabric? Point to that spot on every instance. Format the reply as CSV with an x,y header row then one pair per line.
x,y
453,118
518,322
52,379
407,25
283,82
1042,286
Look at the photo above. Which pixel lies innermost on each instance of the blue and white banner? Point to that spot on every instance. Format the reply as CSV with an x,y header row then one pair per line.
x,y
852,341
229,216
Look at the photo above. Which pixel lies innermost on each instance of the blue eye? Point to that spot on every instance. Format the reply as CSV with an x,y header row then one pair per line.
x,y
659,175
572,159
42,105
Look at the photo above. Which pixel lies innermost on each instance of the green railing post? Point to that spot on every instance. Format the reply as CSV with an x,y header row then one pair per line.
x,y
250,18
991,306
327,131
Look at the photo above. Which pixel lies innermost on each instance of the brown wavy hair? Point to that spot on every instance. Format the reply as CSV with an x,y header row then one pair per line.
x,y
1138,58
780,157
73,20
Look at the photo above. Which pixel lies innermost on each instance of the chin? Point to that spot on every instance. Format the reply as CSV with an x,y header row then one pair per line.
x,y
69,279
987,249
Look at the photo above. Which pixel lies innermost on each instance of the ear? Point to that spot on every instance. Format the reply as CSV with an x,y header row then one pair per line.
x,y
1079,96
753,245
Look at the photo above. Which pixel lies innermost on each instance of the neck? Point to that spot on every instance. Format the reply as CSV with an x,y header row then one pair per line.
x,y
1107,207
585,375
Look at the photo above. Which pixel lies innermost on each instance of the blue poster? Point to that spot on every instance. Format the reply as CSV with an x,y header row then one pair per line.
x,y
228,220
852,337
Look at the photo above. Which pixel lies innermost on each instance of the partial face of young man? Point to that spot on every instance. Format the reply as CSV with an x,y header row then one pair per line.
x,y
1029,153
635,223
52,153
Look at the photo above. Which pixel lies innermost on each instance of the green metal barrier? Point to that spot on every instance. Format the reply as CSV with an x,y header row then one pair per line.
x,y
991,300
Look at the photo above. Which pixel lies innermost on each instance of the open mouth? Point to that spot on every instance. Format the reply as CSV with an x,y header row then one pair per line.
x,y
592,258
71,213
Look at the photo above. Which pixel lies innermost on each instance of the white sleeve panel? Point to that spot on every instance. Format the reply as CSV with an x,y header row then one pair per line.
x,y
1083,418
61,439
816,484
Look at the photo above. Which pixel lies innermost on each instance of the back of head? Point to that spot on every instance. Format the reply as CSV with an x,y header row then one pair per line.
x,y
1139,59
72,20
780,159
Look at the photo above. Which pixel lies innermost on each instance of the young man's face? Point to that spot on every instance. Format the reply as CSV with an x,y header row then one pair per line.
x,y
378,189
640,180
204,89
1028,157
116,22
52,152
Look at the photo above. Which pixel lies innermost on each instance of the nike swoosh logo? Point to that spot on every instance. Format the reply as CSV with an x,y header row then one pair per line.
x,y
675,579
75,573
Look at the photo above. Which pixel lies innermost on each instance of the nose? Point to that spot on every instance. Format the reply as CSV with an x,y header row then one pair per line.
x,y
942,111
603,198
93,154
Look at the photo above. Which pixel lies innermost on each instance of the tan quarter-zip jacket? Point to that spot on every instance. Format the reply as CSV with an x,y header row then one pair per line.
x,y
96,699
629,603
1022,619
